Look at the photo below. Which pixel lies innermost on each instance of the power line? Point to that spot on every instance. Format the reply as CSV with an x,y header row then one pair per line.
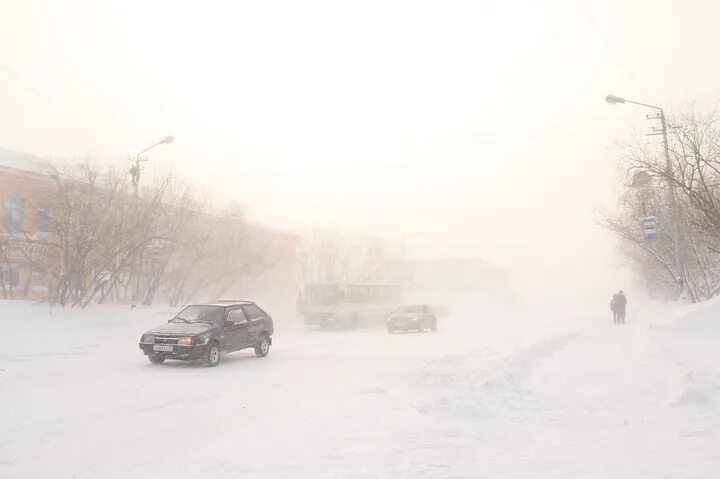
x,y
29,86
620,63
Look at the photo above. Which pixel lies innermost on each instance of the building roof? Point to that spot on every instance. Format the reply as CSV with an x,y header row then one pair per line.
x,y
24,162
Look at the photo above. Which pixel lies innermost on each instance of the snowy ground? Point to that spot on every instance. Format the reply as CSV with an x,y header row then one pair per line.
x,y
486,396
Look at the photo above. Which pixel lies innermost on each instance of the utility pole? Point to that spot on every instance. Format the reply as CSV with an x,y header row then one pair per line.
x,y
135,175
673,203
670,178
135,171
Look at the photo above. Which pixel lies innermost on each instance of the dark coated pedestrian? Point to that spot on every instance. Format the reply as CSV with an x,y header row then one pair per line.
x,y
614,305
621,306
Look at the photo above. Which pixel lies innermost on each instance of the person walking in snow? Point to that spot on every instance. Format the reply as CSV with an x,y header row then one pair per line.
x,y
614,308
622,305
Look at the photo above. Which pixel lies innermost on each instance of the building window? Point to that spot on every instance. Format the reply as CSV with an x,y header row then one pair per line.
x,y
15,215
9,278
44,218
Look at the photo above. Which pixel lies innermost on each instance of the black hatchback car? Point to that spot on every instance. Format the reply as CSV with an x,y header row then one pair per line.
x,y
203,331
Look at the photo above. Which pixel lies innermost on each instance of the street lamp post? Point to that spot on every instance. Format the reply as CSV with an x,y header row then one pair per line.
x,y
136,168
135,174
613,100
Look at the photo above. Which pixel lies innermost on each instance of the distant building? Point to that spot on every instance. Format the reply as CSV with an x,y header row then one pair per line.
x,y
29,257
25,225
438,279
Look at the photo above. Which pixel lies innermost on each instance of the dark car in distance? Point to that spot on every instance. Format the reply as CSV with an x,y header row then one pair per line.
x,y
416,317
203,331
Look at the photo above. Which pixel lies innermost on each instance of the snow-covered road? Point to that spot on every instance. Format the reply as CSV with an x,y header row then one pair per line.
x,y
479,398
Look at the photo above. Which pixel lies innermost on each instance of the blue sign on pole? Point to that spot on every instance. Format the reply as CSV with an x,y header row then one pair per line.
x,y
650,228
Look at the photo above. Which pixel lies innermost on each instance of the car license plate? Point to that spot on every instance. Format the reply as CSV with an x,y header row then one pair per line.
x,y
162,347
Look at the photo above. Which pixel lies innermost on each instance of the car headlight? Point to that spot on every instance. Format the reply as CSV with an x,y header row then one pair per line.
x,y
189,341
203,338
147,338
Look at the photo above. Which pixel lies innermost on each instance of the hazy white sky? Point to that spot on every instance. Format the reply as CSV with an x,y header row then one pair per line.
x,y
480,126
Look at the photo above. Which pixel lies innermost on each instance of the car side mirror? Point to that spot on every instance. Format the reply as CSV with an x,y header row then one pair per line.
x,y
169,320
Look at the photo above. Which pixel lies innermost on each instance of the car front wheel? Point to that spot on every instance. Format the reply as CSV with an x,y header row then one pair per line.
x,y
262,348
212,355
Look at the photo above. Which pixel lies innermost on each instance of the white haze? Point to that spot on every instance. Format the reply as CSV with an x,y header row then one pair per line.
x,y
447,129
474,128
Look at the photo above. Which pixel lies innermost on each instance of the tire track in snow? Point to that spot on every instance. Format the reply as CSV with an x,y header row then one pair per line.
x,y
475,385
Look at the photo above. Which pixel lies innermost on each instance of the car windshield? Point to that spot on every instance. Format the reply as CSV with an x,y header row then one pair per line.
x,y
201,314
409,309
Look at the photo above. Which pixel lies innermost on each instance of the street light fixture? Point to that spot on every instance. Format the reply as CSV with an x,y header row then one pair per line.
x,y
614,100
136,169
135,173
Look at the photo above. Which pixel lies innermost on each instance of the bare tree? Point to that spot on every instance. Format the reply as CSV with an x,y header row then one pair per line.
x,y
695,175
337,257
7,269
98,230
109,244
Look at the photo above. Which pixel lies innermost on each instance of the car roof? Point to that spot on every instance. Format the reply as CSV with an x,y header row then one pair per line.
x,y
225,302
